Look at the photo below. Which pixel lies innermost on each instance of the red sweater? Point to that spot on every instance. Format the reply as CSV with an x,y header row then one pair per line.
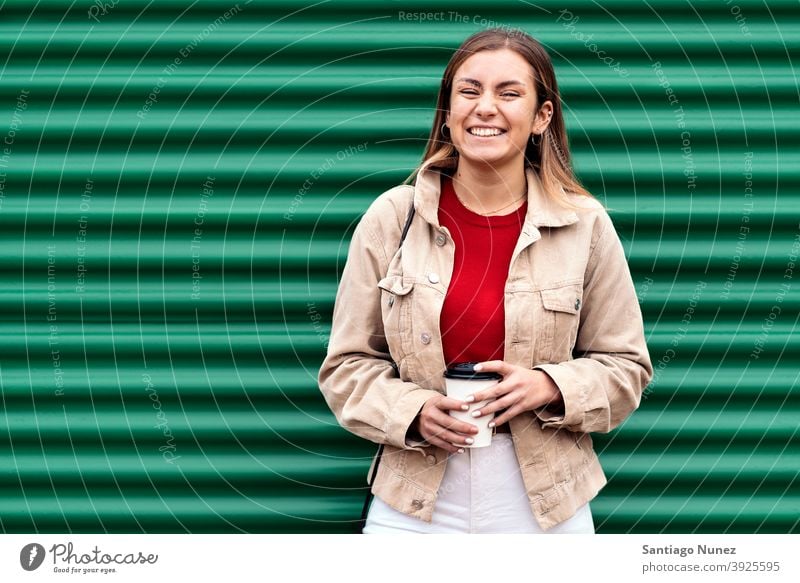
x,y
473,316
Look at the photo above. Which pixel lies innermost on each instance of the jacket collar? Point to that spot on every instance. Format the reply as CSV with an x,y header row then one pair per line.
x,y
542,211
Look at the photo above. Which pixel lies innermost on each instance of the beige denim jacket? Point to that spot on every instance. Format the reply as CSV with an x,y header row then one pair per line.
x,y
571,311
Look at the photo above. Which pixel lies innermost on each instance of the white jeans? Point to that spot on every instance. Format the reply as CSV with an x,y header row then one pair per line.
x,y
481,493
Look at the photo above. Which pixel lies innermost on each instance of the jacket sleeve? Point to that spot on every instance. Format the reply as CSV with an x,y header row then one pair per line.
x,y
356,378
603,384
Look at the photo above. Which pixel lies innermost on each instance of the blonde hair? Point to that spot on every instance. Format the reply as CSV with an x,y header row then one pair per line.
x,y
550,159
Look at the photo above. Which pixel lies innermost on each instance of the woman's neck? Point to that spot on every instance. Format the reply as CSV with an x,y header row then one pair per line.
x,y
490,190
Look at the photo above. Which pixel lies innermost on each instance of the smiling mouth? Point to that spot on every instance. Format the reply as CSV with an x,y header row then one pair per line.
x,y
485,132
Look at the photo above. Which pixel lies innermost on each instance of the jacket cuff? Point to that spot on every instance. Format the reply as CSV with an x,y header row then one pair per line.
x,y
570,394
414,438
403,414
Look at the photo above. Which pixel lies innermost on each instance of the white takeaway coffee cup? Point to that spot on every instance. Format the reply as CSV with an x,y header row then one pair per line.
x,y
463,380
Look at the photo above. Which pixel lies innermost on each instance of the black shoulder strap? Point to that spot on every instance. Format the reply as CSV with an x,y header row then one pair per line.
x,y
409,218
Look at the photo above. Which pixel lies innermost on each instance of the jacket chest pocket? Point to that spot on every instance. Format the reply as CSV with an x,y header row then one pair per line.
x,y
560,320
396,299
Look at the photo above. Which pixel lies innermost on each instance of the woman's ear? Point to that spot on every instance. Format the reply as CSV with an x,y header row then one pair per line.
x,y
542,118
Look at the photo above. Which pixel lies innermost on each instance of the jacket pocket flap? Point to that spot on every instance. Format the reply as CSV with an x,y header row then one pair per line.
x,y
563,299
395,284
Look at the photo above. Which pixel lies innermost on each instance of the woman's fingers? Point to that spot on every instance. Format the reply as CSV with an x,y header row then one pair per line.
x,y
448,403
498,366
455,426
452,442
439,428
507,415
443,437
496,405
453,433
439,415
494,392
441,443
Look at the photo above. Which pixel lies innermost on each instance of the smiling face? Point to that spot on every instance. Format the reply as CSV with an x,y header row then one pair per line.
x,y
492,103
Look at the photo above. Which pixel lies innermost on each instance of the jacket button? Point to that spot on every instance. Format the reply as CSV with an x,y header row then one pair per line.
x,y
433,277
431,459
391,301
577,303
417,504
441,239
425,337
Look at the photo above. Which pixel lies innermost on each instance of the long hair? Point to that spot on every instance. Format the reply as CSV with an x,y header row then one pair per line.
x,y
550,158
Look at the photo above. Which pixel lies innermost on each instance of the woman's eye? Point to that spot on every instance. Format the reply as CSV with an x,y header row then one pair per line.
x,y
504,94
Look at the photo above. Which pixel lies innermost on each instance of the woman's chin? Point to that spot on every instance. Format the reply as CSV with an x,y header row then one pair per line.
x,y
484,157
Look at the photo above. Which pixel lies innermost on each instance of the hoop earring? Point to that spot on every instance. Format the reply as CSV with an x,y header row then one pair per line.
x,y
441,129
534,142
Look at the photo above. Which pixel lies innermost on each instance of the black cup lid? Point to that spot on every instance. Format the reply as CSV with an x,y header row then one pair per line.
x,y
466,370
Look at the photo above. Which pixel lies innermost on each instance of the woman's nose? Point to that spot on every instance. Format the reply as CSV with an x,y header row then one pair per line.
x,y
486,103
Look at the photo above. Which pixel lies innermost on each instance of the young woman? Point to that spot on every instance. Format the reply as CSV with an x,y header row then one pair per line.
x,y
508,262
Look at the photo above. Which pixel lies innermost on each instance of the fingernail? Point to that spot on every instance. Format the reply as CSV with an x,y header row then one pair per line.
x,y
491,424
469,440
476,413
470,399
477,367
465,407
461,450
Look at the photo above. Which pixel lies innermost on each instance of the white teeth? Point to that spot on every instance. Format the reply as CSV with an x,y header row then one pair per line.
x,y
484,132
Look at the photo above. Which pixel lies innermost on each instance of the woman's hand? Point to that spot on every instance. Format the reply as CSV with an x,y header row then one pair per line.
x,y
439,428
520,390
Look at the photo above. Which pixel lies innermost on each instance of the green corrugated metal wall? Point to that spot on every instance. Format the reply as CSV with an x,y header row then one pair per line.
x,y
179,184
